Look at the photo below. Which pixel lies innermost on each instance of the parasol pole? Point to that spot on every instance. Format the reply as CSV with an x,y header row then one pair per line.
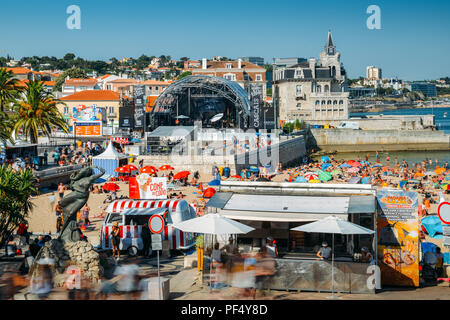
x,y
332,267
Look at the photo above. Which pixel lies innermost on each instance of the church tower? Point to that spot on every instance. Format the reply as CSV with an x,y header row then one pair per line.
x,y
331,58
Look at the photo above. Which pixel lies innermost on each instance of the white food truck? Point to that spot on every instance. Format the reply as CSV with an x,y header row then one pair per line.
x,y
133,214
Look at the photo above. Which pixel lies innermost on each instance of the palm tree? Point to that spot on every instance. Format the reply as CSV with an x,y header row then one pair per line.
x,y
8,88
38,111
15,204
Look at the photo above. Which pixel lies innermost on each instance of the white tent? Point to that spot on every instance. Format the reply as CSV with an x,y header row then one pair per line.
x,y
109,160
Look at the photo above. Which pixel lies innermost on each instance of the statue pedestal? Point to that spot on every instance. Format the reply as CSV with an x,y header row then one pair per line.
x,y
80,255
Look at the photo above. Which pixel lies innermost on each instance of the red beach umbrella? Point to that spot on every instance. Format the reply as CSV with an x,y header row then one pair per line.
x,y
311,176
209,193
236,176
148,169
355,164
111,187
166,167
200,186
181,175
122,170
131,167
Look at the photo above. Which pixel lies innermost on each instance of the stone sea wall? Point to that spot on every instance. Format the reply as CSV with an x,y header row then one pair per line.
x,y
343,140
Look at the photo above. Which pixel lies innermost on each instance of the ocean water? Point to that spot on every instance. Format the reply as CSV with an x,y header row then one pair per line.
x,y
441,122
411,157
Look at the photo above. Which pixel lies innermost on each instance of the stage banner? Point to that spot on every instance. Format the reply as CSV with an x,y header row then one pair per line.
x,y
139,106
146,187
398,237
256,102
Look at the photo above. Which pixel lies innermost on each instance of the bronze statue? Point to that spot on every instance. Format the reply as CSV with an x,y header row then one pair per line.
x,y
72,203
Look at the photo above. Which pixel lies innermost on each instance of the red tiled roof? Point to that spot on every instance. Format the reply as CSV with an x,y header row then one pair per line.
x,y
93,95
80,82
156,83
19,70
49,83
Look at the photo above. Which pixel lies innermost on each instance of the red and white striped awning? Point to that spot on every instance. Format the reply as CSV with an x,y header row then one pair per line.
x,y
121,140
121,205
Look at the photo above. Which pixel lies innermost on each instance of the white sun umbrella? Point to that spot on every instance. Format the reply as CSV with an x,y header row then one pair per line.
x,y
333,224
217,117
214,224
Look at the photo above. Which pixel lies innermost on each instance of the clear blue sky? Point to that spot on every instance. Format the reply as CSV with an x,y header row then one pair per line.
x,y
413,44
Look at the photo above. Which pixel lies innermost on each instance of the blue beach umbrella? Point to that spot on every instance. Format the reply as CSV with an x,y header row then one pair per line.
x,y
345,165
214,183
300,180
253,169
325,159
432,224
402,183
325,166
365,180
376,165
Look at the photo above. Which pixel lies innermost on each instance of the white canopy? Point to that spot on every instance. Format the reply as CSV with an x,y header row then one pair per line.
x,y
333,224
213,224
110,154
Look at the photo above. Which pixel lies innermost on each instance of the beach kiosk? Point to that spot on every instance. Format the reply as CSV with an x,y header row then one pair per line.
x,y
273,209
110,160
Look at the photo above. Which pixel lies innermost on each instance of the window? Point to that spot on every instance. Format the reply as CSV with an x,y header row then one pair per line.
x,y
156,88
258,77
229,66
298,90
111,110
317,103
108,87
319,88
327,88
299,105
230,76
66,110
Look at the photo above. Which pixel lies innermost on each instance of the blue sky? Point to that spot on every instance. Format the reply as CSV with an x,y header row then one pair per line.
x,y
413,44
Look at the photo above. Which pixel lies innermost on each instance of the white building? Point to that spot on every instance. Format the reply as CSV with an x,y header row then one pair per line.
x,y
312,90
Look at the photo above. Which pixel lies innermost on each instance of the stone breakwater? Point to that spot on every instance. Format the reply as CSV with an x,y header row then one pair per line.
x,y
80,254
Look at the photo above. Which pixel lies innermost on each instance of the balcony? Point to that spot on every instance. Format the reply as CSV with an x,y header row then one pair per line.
x,y
112,115
329,94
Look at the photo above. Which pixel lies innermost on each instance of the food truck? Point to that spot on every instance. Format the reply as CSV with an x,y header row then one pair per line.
x,y
132,215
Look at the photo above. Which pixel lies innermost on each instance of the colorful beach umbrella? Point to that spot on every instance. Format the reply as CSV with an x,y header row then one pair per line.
x,y
430,173
325,166
131,167
376,165
325,176
181,175
300,180
446,179
336,172
353,170
214,183
148,169
209,193
122,170
345,165
365,180
355,164
111,187
413,181
166,167
314,181
445,187
311,176
236,176
325,159
439,170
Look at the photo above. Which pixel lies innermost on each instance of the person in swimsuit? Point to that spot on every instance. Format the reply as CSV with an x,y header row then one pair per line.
x,y
115,233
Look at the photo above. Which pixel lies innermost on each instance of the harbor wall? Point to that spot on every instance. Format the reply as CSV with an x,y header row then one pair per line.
x,y
347,140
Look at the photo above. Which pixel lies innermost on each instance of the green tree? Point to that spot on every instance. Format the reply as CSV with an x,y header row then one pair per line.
x,y
15,205
69,57
269,92
288,127
73,73
184,74
298,124
8,89
38,112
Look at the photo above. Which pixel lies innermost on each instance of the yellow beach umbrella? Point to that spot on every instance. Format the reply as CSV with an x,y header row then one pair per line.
x,y
314,181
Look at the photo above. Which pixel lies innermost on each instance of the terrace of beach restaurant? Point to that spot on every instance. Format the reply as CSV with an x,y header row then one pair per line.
x,y
273,212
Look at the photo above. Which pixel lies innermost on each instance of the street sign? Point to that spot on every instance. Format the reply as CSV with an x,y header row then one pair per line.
x,y
444,212
446,230
156,223
156,242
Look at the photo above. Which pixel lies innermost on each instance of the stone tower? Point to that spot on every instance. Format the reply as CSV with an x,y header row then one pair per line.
x,y
331,58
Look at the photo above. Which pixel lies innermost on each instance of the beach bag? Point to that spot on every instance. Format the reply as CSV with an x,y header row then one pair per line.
x,y
226,172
